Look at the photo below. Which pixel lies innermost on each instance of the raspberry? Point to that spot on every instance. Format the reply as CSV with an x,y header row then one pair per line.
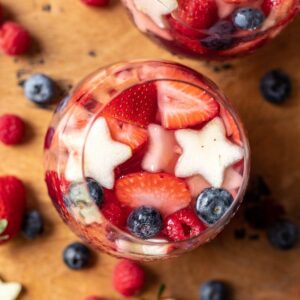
x,y
14,39
93,298
12,129
128,278
112,210
183,225
95,2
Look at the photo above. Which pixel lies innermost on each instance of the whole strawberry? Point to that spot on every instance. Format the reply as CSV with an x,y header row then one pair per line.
x,y
128,278
12,206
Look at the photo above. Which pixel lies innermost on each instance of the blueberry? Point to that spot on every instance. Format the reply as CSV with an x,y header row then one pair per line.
x,y
248,18
77,256
144,222
40,89
219,36
283,234
275,86
33,224
95,191
214,290
212,204
81,192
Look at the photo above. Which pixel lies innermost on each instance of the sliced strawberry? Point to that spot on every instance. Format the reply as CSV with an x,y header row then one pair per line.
x,y
136,105
128,134
199,14
160,190
182,105
232,129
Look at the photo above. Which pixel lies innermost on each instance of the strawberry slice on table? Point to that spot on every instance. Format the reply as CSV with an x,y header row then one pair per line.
x,y
232,129
182,105
162,191
198,14
136,105
128,134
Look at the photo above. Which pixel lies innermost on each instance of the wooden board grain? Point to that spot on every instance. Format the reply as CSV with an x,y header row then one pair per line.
x,y
64,37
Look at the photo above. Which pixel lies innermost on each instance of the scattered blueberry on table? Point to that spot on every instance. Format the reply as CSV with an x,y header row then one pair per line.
x,y
40,89
283,234
77,256
33,224
276,86
214,290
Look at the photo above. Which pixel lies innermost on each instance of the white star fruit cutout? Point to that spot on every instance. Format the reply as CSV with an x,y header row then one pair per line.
x,y
9,290
102,154
161,155
206,152
156,9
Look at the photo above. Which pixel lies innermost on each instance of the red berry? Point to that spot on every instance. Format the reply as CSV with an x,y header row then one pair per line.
x,y
93,298
181,105
136,105
162,191
112,210
95,2
183,225
12,129
128,134
14,39
198,14
128,278
12,206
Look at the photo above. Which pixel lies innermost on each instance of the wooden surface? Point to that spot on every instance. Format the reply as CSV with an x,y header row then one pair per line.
x,y
64,36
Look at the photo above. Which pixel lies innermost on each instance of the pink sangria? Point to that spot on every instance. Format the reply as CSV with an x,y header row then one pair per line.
x,y
146,160
212,29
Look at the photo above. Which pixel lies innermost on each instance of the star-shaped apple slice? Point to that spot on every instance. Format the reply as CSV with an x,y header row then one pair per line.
x,y
102,154
161,154
156,9
9,290
206,152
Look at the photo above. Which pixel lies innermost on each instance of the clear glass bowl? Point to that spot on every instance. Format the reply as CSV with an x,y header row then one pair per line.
x,y
66,157
176,31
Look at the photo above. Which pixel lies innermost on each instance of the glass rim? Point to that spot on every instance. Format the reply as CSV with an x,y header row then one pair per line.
x,y
218,96
238,199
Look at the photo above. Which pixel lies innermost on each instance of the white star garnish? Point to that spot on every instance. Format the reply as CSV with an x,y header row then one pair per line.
x,y
206,152
10,290
156,9
102,154
160,155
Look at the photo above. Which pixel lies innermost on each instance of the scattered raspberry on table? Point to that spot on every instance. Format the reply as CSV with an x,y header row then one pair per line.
x,y
96,2
12,129
128,278
14,39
